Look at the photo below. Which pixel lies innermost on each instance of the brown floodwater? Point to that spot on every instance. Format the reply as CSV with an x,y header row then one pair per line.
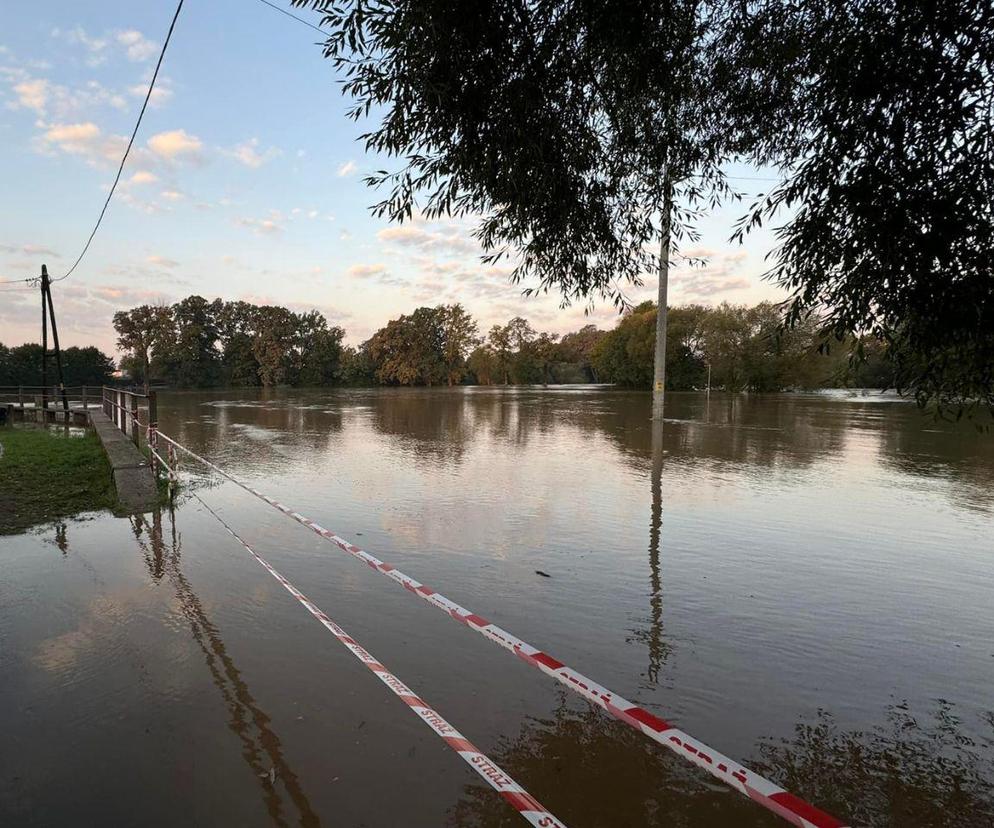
x,y
803,582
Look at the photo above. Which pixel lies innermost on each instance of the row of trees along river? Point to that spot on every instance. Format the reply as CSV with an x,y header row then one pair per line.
x,y
21,365
201,343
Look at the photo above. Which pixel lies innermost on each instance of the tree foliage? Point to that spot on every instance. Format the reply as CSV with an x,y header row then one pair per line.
x,y
561,123
199,343
557,122
745,347
891,184
271,345
21,365
141,333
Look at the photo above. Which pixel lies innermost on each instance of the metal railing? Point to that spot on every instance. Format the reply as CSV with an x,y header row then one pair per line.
x,y
131,411
47,396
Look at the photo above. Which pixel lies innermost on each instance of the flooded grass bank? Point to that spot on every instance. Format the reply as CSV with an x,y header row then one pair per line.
x,y
50,473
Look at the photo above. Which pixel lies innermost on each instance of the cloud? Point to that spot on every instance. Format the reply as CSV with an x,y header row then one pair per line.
x,y
263,227
30,250
84,139
136,45
453,239
161,92
367,271
32,94
707,287
45,98
78,37
172,195
718,274
175,144
248,154
346,169
143,177
161,261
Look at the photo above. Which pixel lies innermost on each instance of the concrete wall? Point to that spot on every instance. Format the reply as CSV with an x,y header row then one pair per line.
x,y
136,489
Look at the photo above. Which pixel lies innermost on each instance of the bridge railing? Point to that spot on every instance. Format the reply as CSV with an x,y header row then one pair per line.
x,y
130,411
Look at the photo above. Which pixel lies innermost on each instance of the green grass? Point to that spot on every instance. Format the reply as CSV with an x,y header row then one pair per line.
x,y
46,474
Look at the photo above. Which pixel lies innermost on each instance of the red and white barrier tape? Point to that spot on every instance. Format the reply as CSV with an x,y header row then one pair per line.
x,y
519,799
747,782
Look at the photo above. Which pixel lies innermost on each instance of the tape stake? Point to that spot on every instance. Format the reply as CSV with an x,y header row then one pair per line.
x,y
748,783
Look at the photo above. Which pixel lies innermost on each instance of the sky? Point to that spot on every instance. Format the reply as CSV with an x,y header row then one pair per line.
x,y
245,182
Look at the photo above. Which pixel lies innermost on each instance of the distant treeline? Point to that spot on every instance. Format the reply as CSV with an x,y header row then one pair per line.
x,y
21,365
744,348
201,343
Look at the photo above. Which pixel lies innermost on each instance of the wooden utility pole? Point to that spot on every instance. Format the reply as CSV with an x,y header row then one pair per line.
x,y
46,297
659,365
44,341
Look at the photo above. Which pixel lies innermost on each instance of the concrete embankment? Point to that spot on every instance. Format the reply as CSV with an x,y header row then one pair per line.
x,y
133,478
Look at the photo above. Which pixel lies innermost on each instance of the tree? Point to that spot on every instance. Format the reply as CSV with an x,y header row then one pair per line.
x,y
86,366
410,350
193,356
459,336
564,125
273,345
20,365
236,325
358,369
500,346
142,332
625,355
578,133
891,177
321,352
483,365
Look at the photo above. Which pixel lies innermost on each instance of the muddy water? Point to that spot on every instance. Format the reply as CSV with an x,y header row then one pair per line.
x,y
802,582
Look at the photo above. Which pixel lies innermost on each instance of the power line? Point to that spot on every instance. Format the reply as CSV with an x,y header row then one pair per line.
x,y
291,15
131,141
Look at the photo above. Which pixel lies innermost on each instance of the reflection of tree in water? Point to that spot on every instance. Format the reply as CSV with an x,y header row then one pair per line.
x,y
591,770
915,771
247,720
432,426
442,424
958,453
249,425
762,432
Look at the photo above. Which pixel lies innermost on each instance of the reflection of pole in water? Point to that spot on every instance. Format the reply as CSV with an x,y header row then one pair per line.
x,y
61,537
707,398
657,647
242,707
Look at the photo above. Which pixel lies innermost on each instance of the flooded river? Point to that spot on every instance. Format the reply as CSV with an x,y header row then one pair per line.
x,y
803,582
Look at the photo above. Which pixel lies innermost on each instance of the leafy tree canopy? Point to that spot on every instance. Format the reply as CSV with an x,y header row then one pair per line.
x,y
556,122
562,123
